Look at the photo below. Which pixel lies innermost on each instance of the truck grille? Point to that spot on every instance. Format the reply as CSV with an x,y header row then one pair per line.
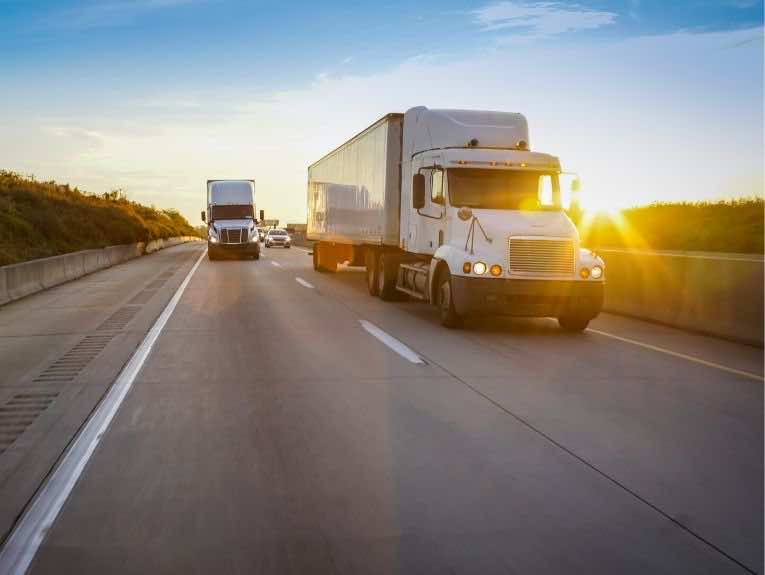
x,y
541,256
233,236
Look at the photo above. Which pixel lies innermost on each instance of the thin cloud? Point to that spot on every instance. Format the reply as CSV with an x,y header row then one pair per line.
x,y
100,14
540,19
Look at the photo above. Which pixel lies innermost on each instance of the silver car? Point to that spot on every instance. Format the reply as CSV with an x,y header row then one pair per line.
x,y
278,238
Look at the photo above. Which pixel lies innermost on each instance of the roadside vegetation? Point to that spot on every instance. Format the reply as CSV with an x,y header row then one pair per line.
x,y
726,226
40,219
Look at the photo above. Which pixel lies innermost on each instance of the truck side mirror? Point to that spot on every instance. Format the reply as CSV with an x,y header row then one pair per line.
x,y
262,215
204,216
418,191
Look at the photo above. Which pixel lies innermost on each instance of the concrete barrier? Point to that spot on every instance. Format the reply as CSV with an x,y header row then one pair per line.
x,y
299,239
717,294
23,279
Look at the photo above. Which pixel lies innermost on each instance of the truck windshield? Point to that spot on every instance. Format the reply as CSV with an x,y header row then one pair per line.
x,y
503,189
232,212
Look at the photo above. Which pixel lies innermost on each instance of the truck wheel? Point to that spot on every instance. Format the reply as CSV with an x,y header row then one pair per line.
x,y
370,261
446,310
211,255
315,254
387,273
256,256
573,323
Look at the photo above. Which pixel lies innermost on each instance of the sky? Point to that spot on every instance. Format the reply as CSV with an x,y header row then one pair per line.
x,y
646,100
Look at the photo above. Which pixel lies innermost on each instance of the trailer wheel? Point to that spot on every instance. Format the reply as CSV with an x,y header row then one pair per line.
x,y
370,261
315,254
446,310
387,273
573,323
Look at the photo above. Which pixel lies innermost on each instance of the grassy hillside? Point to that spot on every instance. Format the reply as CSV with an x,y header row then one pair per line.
x,y
730,226
40,219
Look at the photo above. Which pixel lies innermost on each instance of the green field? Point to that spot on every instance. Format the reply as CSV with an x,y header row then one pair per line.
x,y
729,226
40,219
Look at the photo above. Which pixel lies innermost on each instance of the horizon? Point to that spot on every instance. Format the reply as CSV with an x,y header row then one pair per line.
x,y
106,95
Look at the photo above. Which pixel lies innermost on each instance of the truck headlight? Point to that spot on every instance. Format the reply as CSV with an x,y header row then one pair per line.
x,y
596,272
213,239
479,268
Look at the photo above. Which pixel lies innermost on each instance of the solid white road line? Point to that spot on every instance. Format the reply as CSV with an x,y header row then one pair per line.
x,y
302,249
276,264
680,355
304,283
30,531
391,342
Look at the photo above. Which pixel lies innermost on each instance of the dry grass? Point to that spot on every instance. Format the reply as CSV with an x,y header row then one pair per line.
x,y
728,226
40,219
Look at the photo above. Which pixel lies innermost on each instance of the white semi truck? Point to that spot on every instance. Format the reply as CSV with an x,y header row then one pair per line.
x,y
451,207
230,216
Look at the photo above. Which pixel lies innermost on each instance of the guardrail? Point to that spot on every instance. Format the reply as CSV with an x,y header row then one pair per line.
x,y
712,293
26,278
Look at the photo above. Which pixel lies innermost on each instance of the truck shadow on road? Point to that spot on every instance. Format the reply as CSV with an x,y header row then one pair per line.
x,y
354,278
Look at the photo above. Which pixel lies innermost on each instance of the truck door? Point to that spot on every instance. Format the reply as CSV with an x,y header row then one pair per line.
x,y
427,229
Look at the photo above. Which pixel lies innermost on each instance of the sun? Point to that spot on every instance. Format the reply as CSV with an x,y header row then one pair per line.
x,y
599,204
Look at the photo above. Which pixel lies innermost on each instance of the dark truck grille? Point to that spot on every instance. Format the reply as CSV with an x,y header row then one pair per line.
x,y
543,256
233,236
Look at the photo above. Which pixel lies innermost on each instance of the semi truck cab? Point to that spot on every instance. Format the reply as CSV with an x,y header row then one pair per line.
x,y
230,217
490,214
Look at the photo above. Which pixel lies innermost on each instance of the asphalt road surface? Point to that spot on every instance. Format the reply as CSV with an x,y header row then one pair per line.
x,y
287,422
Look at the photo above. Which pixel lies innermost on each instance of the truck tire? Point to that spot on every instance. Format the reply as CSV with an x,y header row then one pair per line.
x,y
387,274
447,312
370,261
212,255
573,323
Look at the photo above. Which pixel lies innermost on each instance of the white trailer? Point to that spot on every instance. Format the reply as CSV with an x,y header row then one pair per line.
x,y
451,207
230,217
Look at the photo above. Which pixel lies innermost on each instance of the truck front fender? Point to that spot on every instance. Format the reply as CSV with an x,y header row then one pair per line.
x,y
448,256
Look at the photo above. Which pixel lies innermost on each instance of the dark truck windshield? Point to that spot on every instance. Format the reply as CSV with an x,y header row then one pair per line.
x,y
503,189
232,212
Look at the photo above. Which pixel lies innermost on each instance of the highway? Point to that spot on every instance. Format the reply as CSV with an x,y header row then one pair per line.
x,y
284,421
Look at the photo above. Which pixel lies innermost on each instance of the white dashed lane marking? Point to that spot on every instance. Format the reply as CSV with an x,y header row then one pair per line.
x,y
397,346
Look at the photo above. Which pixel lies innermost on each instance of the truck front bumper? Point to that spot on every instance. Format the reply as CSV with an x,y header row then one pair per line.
x,y
526,298
249,248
